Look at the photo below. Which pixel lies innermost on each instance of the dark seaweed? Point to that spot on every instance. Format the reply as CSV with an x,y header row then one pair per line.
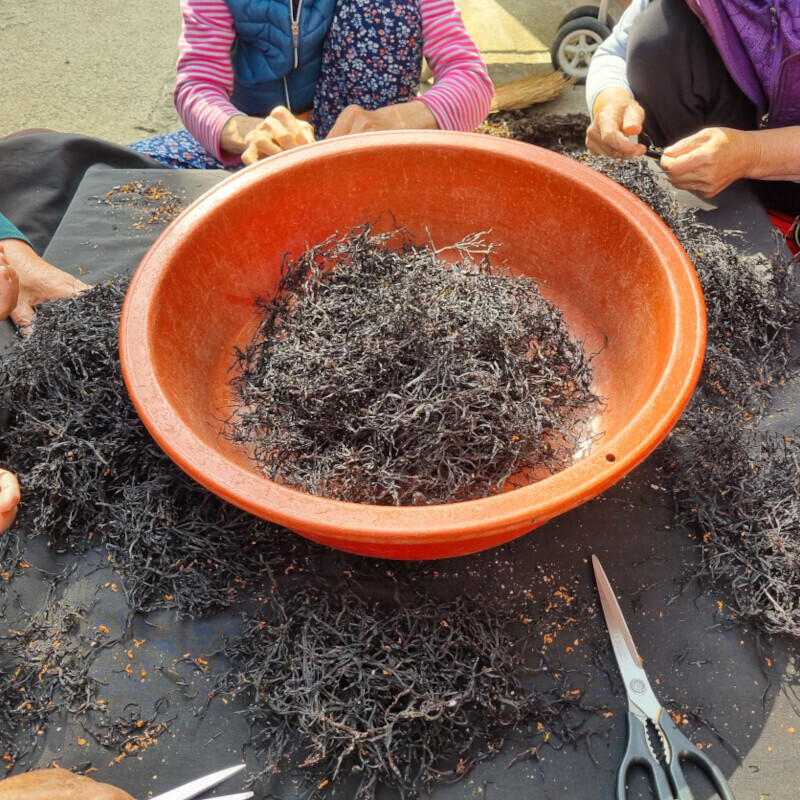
x,y
383,374
735,480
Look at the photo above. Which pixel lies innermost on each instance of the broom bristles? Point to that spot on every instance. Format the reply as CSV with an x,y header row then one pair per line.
x,y
538,87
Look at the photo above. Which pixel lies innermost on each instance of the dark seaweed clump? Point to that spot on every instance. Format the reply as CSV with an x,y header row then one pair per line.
x,y
562,133
405,694
383,374
734,475
91,473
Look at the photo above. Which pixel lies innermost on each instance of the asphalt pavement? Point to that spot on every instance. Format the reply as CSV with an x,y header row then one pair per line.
x,y
106,68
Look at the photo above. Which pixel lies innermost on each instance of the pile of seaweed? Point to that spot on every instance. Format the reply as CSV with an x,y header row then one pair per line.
x,y
381,373
562,133
735,478
92,477
91,473
407,692
438,683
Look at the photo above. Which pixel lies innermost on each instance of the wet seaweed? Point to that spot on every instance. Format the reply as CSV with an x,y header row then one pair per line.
x,y
562,133
750,525
92,475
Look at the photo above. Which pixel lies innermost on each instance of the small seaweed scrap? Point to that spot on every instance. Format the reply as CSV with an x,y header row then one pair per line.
x,y
152,203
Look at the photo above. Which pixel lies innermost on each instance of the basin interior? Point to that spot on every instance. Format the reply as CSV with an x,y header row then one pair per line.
x,y
583,251
598,253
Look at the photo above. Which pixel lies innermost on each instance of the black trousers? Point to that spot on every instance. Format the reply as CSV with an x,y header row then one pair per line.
x,y
680,80
41,170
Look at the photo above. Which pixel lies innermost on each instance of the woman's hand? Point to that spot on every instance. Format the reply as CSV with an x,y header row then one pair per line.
x,y
280,131
9,500
9,286
37,280
616,117
413,115
710,160
255,138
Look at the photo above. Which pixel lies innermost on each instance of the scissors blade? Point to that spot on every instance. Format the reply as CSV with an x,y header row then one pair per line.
x,y
637,687
239,796
200,785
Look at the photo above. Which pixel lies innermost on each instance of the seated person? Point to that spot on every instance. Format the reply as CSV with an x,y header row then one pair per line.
x,y
248,72
716,84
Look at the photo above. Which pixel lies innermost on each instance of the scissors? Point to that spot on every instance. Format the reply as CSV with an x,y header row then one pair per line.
x,y
654,741
652,151
200,785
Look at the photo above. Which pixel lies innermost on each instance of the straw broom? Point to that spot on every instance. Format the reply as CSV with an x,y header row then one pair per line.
x,y
538,87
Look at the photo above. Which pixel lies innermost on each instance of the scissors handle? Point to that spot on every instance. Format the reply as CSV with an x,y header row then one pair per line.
x,y
668,780
637,753
683,748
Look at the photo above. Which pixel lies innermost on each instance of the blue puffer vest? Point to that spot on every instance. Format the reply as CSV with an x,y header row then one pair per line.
x,y
275,60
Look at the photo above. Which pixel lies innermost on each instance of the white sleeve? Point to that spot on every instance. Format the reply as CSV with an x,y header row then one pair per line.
x,y
608,66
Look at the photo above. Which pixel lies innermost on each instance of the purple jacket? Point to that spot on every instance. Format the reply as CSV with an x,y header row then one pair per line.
x,y
760,45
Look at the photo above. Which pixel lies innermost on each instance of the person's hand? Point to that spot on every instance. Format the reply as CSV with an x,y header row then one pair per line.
x,y
280,131
49,784
413,115
616,117
710,160
37,280
9,500
9,286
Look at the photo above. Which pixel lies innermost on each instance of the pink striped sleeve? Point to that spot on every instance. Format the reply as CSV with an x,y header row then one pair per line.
x,y
461,94
205,75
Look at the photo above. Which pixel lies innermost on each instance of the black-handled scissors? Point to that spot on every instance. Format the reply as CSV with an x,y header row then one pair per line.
x,y
652,151
654,741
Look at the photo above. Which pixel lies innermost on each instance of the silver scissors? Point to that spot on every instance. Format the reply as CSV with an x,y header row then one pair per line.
x,y
654,741
200,785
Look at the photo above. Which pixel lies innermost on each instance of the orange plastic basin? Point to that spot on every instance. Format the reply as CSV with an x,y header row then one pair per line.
x,y
622,279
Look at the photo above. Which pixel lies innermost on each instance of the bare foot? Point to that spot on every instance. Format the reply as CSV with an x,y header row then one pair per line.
x,y
9,286
38,280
